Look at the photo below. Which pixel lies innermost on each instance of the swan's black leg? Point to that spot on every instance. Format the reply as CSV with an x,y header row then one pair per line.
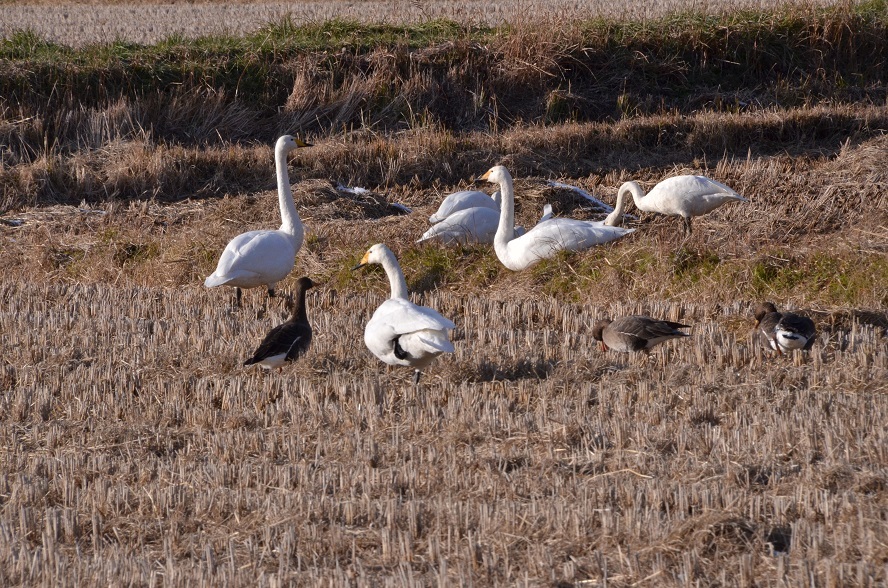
x,y
270,292
416,377
688,225
238,296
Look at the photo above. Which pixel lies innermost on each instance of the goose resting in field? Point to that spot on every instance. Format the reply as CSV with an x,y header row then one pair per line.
x,y
783,331
635,333
685,196
463,200
548,237
287,341
265,257
400,332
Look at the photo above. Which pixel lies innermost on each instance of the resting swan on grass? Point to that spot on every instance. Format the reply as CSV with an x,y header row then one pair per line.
x,y
472,225
548,237
263,258
685,196
400,332
464,200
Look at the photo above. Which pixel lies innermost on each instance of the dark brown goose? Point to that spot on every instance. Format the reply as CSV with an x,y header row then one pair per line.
x,y
290,340
783,331
635,333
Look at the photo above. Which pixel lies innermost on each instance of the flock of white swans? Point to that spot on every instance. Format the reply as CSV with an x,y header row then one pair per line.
x,y
406,334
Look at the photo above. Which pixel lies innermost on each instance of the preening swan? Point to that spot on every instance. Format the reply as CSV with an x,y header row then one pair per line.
x,y
400,332
686,196
464,200
263,258
287,341
635,333
783,331
545,239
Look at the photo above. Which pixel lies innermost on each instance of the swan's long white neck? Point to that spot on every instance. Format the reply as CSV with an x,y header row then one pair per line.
x,y
637,196
614,218
505,231
290,221
396,277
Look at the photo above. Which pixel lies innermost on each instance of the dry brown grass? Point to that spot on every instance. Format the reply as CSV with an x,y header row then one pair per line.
x,y
134,449
79,23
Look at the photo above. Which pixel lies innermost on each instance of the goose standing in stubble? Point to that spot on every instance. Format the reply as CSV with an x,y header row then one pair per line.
x,y
400,332
287,341
548,237
635,333
265,257
685,196
783,331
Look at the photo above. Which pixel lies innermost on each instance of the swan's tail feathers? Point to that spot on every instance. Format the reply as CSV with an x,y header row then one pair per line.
x,y
213,280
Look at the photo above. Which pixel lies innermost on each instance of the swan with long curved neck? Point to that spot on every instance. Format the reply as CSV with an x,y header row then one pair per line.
x,y
400,332
263,258
548,237
686,196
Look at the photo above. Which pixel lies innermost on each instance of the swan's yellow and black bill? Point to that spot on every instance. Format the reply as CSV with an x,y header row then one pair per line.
x,y
485,177
363,262
301,143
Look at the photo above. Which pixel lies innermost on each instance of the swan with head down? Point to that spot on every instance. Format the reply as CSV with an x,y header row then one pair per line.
x,y
686,196
548,237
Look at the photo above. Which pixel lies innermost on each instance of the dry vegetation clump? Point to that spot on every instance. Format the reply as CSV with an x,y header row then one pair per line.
x,y
135,449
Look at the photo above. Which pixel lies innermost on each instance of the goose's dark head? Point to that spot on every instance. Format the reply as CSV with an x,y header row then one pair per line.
x,y
763,309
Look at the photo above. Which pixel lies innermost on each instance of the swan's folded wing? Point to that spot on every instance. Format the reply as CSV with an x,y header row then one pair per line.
x,y
462,200
402,316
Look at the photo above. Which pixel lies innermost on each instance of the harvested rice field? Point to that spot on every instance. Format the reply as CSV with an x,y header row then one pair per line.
x,y
135,449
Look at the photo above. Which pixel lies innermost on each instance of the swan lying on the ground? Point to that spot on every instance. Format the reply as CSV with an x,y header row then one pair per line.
x,y
685,196
783,331
635,333
290,340
463,200
548,237
400,332
263,258
473,225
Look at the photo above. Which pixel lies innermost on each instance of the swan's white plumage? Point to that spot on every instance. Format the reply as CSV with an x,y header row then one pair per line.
x,y
464,200
546,238
263,258
401,332
686,196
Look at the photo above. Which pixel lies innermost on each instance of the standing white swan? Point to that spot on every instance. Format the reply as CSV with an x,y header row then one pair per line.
x,y
548,237
463,200
400,332
263,258
685,196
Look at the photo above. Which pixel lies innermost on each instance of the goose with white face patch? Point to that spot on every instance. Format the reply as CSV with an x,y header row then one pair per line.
x,y
263,258
287,341
686,196
783,331
464,200
548,237
400,332
635,333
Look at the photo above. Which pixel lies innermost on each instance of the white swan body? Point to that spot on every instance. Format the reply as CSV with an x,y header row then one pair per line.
x,y
548,237
686,196
400,332
472,225
263,258
464,200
